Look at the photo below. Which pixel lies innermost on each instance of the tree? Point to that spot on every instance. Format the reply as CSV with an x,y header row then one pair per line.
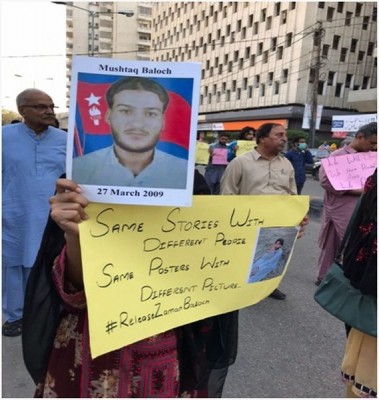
x,y
7,116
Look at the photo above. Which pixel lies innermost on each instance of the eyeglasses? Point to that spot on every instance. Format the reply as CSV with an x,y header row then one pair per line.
x,y
41,107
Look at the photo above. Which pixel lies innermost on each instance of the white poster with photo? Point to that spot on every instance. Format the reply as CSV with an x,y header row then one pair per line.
x,y
132,130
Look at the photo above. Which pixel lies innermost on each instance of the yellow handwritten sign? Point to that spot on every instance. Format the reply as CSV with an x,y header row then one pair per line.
x,y
202,153
149,269
244,146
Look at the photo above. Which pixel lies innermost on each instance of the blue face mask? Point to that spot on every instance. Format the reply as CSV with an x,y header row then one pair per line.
x,y
302,146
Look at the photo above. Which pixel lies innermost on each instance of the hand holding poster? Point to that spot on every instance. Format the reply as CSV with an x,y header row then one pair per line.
x,y
132,130
350,171
150,269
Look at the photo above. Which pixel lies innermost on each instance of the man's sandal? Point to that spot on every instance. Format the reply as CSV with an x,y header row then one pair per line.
x,y
12,328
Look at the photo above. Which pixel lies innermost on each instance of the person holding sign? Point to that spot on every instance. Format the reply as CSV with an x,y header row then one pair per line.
x,y
262,170
247,133
339,204
136,108
56,347
217,162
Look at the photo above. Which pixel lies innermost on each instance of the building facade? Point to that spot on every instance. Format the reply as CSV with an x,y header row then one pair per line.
x,y
267,60
119,30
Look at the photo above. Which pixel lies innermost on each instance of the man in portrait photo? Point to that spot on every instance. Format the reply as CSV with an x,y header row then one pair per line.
x,y
136,116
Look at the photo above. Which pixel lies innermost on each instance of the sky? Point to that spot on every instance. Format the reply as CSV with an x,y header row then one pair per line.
x,y
33,46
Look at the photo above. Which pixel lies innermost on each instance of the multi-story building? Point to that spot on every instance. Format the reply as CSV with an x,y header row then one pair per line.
x,y
267,60
108,29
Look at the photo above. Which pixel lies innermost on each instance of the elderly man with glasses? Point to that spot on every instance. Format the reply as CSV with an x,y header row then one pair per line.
x,y
33,158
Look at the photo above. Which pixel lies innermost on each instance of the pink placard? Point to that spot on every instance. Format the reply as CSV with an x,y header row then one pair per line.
x,y
219,156
350,171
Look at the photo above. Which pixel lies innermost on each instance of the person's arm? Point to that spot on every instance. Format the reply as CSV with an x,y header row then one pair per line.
x,y
231,178
67,210
308,157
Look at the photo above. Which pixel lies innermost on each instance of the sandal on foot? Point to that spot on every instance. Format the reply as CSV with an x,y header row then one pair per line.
x,y
12,328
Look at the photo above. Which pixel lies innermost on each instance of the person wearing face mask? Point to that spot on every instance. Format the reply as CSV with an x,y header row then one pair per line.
x,y
299,156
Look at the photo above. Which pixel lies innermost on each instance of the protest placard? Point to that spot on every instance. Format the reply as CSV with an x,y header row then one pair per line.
x,y
202,153
132,130
244,146
150,269
350,171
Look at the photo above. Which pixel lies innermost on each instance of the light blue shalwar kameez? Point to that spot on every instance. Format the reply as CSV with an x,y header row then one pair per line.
x,y
31,165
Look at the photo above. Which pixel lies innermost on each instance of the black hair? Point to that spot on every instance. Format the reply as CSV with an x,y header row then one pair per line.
x,y
280,240
368,130
244,131
264,130
137,83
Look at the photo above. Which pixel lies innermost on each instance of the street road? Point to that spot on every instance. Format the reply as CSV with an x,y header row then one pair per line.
x,y
288,348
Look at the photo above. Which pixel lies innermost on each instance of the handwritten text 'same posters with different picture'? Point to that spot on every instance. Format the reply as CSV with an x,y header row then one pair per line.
x,y
132,130
150,269
350,171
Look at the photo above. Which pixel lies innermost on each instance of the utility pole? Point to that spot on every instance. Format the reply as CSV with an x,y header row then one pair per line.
x,y
316,65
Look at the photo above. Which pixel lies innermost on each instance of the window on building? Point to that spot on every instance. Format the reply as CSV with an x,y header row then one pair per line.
x,y
279,54
244,83
255,28
259,48
270,78
262,90
211,71
370,48
250,20
238,96
349,80
348,18
275,89
222,41
227,97
209,98
353,46
236,55
365,82
268,23
263,14
285,75
273,43
374,11
239,25
265,57
288,39
358,9
206,91
240,63
216,62
292,5
283,17
276,9
366,20
243,33
320,88
340,5
235,6
331,76
336,41
230,66
226,58
256,80
228,30
325,50
338,92
321,4
343,54
201,99
330,14
250,92
223,87
247,52
214,89
361,56
252,60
